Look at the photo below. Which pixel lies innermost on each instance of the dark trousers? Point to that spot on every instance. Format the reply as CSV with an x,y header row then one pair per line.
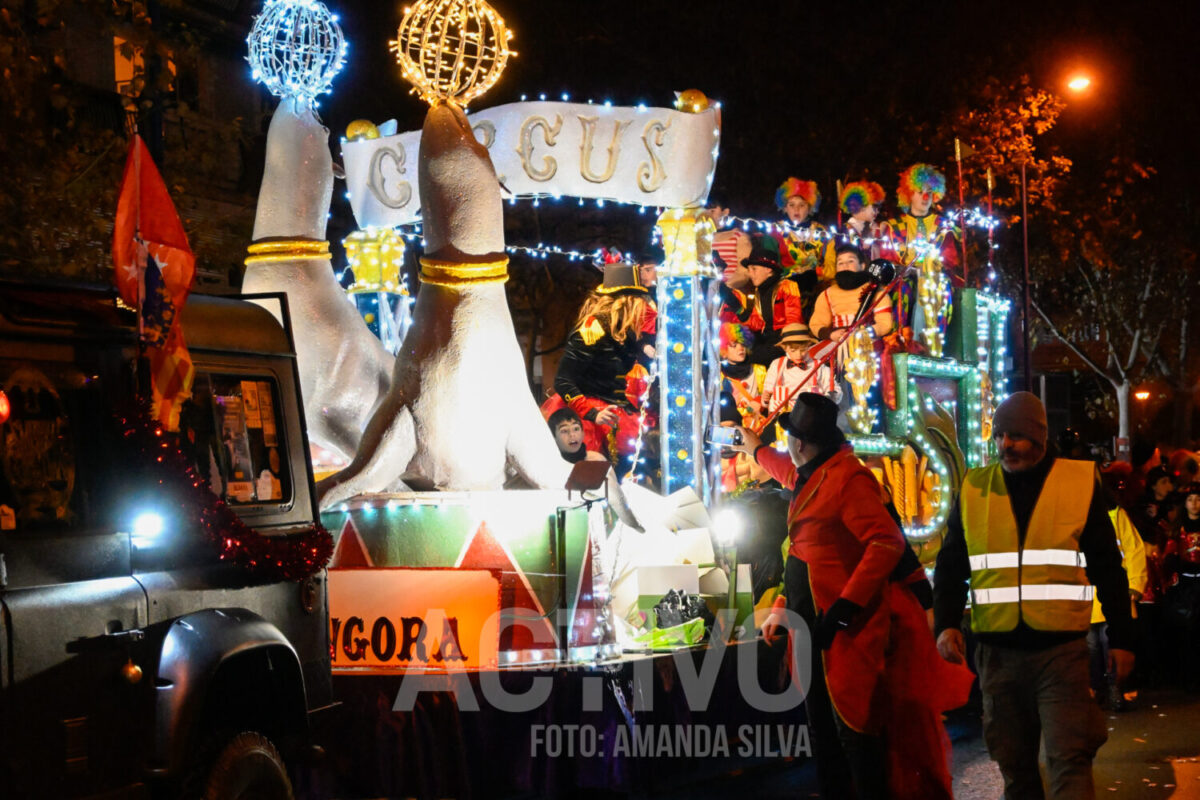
x,y
1029,695
850,764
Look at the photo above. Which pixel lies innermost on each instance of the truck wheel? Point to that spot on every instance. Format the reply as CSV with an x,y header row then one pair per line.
x,y
248,768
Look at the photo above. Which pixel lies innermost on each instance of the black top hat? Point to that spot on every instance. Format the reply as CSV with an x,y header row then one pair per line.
x,y
762,256
621,277
814,419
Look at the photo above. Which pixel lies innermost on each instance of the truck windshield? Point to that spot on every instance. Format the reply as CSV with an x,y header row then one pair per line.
x,y
230,429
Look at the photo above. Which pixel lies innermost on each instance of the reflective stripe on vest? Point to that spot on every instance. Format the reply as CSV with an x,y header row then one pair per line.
x,y
1066,558
1045,583
1015,594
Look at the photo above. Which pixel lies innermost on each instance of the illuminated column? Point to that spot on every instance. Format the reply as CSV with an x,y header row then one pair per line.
x,y
685,333
375,258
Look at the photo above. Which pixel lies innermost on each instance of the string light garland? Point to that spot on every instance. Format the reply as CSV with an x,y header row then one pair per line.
x,y
861,370
296,48
290,557
451,50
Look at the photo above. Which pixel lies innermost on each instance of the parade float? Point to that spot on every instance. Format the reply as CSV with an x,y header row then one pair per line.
x,y
415,395
418,413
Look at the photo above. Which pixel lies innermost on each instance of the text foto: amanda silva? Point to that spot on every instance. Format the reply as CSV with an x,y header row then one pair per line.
x,y
671,741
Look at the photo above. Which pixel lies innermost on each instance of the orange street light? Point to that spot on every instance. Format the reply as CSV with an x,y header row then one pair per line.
x,y
1142,394
1079,83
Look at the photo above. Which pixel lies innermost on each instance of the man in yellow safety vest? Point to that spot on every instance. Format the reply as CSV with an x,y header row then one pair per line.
x,y
1031,538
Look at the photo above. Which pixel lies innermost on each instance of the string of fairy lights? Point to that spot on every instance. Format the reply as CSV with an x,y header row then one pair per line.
x,y
296,48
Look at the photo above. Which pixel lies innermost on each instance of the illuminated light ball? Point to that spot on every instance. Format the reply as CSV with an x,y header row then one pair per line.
x,y
361,129
451,50
692,101
5,408
678,294
681,401
368,318
296,48
682,454
678,348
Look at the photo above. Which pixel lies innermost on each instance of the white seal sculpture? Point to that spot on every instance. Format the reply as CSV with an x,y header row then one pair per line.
x,y
459,412
344,369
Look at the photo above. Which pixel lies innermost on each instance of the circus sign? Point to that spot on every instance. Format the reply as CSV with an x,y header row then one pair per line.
x,y
649,156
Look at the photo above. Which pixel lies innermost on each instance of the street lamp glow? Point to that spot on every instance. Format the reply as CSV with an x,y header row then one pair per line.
x,y
1079,83
1142,394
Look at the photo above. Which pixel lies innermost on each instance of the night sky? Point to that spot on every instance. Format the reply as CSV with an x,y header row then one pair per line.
x,y
822,90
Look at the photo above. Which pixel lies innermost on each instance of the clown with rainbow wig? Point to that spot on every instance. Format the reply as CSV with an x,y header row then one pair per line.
x,y
803,245
860,203
920,232
924,239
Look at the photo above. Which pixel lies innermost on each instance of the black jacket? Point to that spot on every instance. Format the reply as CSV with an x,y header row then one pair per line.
x,y
597,370
1098,543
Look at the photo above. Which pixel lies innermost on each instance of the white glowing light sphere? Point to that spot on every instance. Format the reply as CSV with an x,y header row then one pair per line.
x,y
296,48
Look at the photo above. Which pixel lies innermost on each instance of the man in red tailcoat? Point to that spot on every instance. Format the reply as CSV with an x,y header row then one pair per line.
x,y
876,673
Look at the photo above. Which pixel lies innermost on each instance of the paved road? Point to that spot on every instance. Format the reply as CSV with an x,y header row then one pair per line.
x,y
1153,752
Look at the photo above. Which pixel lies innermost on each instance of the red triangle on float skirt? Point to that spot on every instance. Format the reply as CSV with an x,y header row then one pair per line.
x,y
350,551
517,598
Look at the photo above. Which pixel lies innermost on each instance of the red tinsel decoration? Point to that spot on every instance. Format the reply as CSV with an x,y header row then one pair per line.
x,y
290,557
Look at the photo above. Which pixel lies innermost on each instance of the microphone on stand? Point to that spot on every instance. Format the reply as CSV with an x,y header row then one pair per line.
x,y
882,273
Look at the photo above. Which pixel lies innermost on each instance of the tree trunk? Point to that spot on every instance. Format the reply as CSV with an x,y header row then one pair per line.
x,y
1123,452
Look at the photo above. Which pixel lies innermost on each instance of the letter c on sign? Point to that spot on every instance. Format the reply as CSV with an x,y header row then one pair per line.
x,y
376,182
525,151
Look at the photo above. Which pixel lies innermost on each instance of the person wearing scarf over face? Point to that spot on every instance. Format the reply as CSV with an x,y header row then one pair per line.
x,y
775,302
836,310
878,686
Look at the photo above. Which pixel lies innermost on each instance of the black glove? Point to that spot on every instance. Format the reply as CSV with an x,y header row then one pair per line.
x,y
839,617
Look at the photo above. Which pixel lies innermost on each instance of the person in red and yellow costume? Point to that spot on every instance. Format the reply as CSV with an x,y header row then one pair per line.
x,y
602,374
775,302
743,378
803,243
741,402
878,685
925,240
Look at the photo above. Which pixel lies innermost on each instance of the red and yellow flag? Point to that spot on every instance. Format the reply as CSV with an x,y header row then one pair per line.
x,y
154,269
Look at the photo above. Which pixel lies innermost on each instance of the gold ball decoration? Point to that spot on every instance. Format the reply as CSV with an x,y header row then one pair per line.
x,y
692,101
451,50
361,129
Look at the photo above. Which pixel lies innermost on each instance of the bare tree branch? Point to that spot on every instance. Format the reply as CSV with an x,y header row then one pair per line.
x,y
1092,365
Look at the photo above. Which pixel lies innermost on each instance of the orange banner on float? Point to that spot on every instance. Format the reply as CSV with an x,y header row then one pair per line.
x,y
396,619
